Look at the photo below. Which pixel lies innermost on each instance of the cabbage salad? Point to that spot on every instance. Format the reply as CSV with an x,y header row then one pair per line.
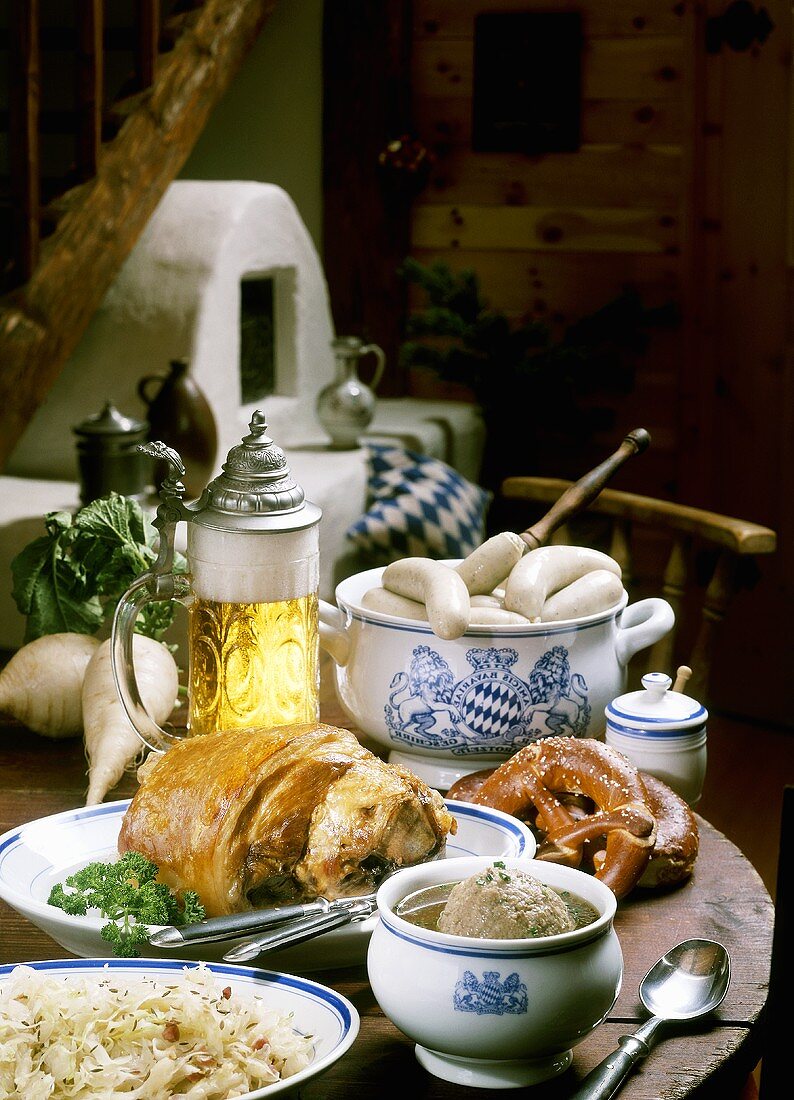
x,y
136,1036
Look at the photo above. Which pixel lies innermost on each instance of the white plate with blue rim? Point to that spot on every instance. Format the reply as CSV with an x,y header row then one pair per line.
x,y
326,1016
36,856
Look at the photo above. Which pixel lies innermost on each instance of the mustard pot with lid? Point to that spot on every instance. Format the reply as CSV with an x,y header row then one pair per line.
x,y
251,593
662,732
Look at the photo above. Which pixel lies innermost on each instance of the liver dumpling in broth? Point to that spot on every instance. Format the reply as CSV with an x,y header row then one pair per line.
x,y
502,903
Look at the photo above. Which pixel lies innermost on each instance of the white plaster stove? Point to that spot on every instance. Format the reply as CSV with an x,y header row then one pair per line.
x,y
179,294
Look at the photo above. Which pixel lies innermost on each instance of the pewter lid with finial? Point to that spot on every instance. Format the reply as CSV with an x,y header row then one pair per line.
x,y
256,491
110,425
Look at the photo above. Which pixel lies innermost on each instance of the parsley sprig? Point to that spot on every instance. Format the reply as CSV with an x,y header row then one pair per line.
x,y
498,866
126,893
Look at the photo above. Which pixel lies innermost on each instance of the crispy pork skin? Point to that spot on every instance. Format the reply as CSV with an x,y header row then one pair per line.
x,y
249,818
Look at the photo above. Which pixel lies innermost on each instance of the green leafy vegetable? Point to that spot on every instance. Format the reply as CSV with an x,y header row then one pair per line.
x,y
126,892
71,578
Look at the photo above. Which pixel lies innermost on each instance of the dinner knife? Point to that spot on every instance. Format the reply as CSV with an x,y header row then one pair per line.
x,y
239,924
296,931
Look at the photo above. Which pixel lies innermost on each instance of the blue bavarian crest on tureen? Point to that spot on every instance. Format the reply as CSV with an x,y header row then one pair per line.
x,y
490,996
491,707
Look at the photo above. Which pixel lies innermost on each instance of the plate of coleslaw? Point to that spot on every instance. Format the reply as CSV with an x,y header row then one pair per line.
x,y
36,856
157,1028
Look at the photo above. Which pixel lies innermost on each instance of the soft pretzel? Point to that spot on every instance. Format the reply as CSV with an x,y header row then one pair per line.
x,y
536,774
676,842
676,847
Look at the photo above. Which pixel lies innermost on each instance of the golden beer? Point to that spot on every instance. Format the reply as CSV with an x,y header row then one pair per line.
x,y
253,664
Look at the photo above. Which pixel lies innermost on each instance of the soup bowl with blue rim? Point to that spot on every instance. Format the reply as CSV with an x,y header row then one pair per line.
x,y
448,707
494,1013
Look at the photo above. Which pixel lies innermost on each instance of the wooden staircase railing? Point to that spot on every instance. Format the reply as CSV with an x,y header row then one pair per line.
x,y
68,241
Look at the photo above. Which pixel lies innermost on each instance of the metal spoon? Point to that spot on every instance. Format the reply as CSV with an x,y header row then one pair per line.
x,y
687,982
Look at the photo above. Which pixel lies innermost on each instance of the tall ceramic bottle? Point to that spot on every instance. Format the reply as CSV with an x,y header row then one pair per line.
x,y
180,415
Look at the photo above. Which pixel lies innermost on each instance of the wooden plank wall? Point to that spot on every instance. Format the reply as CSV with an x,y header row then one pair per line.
x,y
558,236
737,399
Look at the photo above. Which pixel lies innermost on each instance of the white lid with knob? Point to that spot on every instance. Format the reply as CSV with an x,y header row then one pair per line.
x,y
656,710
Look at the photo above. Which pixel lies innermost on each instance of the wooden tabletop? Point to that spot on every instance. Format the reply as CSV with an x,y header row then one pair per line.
x,y
725,900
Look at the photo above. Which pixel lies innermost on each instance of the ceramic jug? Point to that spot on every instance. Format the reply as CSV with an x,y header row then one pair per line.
x,y
346,406
179,413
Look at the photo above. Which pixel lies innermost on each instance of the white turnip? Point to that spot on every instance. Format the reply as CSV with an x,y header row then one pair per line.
x,y
42,683
110,741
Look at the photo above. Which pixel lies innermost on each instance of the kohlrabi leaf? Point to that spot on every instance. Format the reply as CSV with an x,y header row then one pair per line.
x,y
50,592
71,578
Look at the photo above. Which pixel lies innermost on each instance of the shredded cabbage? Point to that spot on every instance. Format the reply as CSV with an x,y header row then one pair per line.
x,y
135,1036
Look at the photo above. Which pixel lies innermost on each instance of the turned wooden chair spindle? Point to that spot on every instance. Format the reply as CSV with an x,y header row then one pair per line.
x,y
687,530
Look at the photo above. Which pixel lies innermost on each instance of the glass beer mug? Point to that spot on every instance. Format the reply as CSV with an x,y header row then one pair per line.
x,y
251,593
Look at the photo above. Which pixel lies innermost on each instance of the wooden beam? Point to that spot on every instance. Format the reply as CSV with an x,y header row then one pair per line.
x,y
23,132
90,84
541,228
439,19
42,322
612,68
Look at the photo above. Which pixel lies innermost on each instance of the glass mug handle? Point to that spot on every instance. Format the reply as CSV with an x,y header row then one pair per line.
x,y
147,589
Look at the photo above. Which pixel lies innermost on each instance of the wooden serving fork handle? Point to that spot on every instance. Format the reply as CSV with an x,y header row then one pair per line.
x,y
585,490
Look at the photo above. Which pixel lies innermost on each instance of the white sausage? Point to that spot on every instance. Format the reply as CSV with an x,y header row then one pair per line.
x,y
486,601
596,591
378,599
490,563
544,571
436,585
495,616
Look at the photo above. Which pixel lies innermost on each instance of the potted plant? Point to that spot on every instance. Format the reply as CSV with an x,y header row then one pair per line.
x,y
539,389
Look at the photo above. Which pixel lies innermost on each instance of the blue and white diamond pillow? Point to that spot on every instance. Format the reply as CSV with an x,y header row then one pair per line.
x,y
420,507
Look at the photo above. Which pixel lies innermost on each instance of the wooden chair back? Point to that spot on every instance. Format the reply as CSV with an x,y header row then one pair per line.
x,y
691,535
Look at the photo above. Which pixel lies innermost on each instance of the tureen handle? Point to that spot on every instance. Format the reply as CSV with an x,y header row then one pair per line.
x,y
642,624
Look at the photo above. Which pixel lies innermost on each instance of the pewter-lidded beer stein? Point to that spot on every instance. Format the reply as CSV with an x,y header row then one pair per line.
x,y
251,593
